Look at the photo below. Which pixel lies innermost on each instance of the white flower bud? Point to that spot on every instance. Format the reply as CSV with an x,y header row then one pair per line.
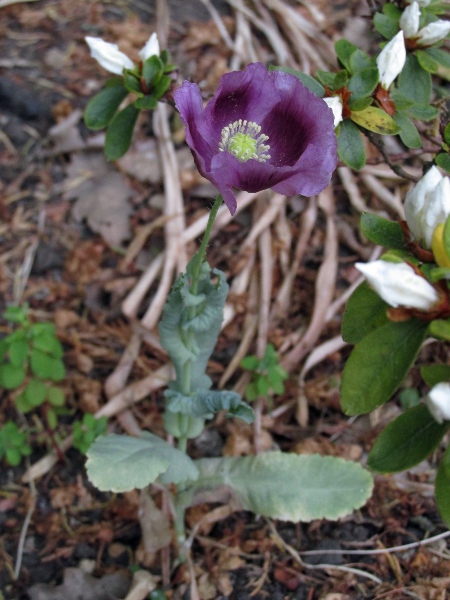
x,y
334,102
438,402
108,55
398,284
427,205
433,33
151,48
409,21
420,2
391,60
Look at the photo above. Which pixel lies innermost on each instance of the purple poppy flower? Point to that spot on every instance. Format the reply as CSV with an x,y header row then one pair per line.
x,y
260,130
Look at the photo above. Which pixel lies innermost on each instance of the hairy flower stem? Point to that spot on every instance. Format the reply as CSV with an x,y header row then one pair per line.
x,y
187,370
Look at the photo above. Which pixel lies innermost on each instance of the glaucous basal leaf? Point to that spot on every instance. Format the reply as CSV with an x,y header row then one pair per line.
x,y
379,363
119,463
442,487
287,486
207,403
407,441
197,317
365,311
382,231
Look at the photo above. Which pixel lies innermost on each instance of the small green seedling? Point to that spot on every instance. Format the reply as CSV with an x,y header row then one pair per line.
x,y
267,375
13,444
88,430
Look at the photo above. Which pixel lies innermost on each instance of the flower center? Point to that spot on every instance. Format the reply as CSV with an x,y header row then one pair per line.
x,y
244,140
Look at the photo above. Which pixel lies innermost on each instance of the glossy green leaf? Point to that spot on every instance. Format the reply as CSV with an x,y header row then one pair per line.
x,y
161,87
146,102
359,61
423,112
442,487
132,83
350,145
392,11
414,82
401,102
378,364
365,311
408,131
433,374
385,25
287,486
442,57
120,132
427,62
152,69
360,103
363,83
443,161
407,441
102,107
120,463
340,79
325,77
382,231
440,329
376,120
344,51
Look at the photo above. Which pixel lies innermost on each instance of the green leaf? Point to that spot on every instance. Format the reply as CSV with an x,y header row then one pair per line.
x,y
102,107
350,145
340,79
447,133
440,329
262,385
49,344
408,133
52,419
379,363
35,392
382,231
427,62
360,103
22,404
16,314
433,374
55,396
152,69
207,403
344,51
385,25
440,56
120,463
11,377
365,311
376,120
201,326
359,61
13,457
409,398
250,362
325,77
363,83
423,112
443,160
146,103
401,102
392,11
287,486
251,393
160,88
120,132
407,441
414,82
442,487
131,82
18,352
312,84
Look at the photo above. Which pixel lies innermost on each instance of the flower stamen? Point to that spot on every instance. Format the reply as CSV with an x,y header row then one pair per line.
x,y
244,140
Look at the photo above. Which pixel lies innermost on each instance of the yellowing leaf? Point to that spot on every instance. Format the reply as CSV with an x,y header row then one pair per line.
x,y
376,120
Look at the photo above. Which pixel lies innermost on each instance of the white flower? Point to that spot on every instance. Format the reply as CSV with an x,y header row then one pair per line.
x,y
421,2
427,205
428,35
399,285
336,106
434,32
438,402
108,55
409,21
151,48
391,60
113,60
